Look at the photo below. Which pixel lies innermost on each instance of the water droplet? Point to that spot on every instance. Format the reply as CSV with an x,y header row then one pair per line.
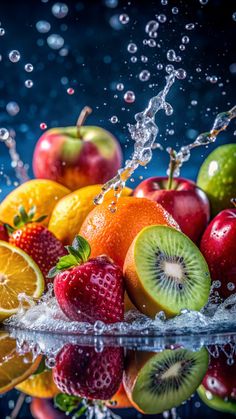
x,y
153,34
14,56
182,47
2,31
175,10
203,2
185,39
169,68
59,10
114,119
181,74
43,26
98,327
124,19
70,91
43,126
151,26
133,59
132,48
198,70
164,2
29,83
151,43
144,75
234,16
171,56
144,59
162,18
12,108
29,67
55,41
190,26
120,87
159,66
231,286
129,96
193,102
4,134
213,79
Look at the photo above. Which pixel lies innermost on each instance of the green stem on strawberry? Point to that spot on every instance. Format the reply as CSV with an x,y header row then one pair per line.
x,y
86,111
78,253
24,218
172,166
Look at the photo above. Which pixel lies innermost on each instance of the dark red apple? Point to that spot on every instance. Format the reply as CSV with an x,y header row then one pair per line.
x,y
218,246
77,156
185,201
3,232
220,378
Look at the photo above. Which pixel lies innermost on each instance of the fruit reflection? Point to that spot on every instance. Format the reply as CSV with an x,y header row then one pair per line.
x,y
218,389
81,371
158,382
14,368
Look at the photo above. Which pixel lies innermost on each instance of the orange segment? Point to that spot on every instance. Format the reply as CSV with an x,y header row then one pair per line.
x,y
42,193
39,385
112,233
18,274
13,367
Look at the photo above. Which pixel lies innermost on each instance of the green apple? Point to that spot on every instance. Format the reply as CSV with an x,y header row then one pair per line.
x,y
217,177
216,402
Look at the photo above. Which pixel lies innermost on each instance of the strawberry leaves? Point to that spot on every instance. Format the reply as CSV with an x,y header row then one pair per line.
x,y
78,253
23,218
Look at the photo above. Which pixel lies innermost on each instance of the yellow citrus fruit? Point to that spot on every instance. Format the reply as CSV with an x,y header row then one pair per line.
x,y
70,212
14,368
18,274
42,193
39,385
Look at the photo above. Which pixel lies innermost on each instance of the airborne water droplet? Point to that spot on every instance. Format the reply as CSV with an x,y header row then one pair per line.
x,y
29,83
144,75
29,67
124,19
120,87
132,48
129,96
14,56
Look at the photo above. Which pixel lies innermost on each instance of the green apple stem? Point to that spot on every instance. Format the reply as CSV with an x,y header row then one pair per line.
x,y
233,201
86,111
172,166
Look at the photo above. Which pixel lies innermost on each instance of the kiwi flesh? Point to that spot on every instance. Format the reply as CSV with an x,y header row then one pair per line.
x,y
216,402
164,270
166,379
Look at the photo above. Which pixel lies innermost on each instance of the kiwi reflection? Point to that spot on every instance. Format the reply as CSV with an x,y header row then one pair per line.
x,y
81,371
218,389
155,382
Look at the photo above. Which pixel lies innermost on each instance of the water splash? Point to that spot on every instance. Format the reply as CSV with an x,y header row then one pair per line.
x,y
144,134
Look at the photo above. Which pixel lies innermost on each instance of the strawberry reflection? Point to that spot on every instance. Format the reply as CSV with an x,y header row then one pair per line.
x,y
81,371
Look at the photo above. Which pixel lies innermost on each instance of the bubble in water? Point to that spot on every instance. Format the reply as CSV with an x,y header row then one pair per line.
x,y
14,56
164,2
2,31
234,16
193,102
185,39
198,70
169,68
28,83
159,66
12,108
132,48
133,59
55,41
98,327
144,75
213,79
203,2
151,26
231,286
182,47
43,26
181,74
29,67
129,96
70,91
190,26
171,56
59,10
175,10
43,126
4,134
120,87
152,34
162,18
143,58
151,43
114,119
124,19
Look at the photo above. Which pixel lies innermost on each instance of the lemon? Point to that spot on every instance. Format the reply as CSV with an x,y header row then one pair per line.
x,y
39,385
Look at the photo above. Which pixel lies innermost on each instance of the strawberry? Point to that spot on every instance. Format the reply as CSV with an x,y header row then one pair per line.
x,y
3,232
88,290
81,371
36,240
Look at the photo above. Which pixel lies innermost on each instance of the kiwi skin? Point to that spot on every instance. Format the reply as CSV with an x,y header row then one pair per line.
x,y
139,296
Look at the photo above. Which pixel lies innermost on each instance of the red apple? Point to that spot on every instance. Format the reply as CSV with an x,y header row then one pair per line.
x,y
77,156
3,232
185,201
218,246
220,378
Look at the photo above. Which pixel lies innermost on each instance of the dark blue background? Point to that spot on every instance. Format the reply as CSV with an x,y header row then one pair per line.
x,y
98,59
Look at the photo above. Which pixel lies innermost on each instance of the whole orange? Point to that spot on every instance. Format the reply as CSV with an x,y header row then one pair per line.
x,y
112,233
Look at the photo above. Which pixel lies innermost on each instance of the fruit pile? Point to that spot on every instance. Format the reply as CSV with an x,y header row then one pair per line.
x,y
157,252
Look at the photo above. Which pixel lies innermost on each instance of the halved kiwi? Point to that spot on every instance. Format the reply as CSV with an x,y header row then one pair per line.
x,y
164,270
157,382
216,402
